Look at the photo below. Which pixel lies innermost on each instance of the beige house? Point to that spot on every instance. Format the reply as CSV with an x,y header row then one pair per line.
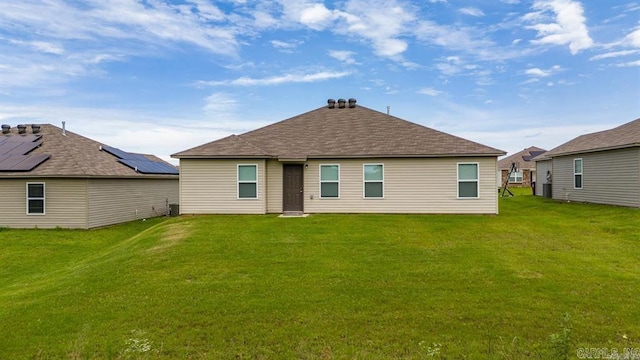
x,y
50,177
339,158
601,167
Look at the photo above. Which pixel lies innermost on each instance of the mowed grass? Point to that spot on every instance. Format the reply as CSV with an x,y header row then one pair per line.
x,y
327,286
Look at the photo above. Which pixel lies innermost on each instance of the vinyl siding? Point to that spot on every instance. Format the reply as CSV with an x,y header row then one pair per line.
x,y
609,177
210,187
65,204
541,175
113,201
421,185
274,186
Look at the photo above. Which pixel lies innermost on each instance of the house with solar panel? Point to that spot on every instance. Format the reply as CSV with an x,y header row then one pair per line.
x,y
339,158
517,170
51,177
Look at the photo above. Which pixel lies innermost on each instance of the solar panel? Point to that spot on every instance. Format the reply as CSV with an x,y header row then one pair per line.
x,y
122,154
22,162
140,163
149,167
14,150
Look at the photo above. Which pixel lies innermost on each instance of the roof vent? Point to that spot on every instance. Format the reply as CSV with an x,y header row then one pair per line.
x,y
22,129
341,103
332,103
352,103
6,129
35,128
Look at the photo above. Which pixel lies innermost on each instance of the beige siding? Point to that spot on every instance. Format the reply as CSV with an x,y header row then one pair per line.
x,y
410,186
65,204
210,187
274,186
541,175
113,201
609,177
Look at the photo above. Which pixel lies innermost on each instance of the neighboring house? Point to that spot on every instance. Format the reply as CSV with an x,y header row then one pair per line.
x,y
340,158
50,177
602,167
526,169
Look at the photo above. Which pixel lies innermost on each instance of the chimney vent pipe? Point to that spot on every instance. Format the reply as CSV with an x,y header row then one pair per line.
x,y
6,129
332,103
64,128
341,103
22,129
352,103
35,128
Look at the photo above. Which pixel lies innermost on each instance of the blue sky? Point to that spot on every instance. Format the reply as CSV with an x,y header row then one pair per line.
x,y
159,76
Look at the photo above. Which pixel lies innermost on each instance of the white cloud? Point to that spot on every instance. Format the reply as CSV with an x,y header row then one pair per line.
x,y
278,80
567,24
153,22
220,102
511,2
438,1
343,55
633,39
429,91
317,17
614,54
630,64
41,46
537,72
284,45
471,11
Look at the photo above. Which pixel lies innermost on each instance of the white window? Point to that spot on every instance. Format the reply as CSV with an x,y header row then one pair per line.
x,y
516,177
373,181
468,180
329,181
577,173
35,199
247,181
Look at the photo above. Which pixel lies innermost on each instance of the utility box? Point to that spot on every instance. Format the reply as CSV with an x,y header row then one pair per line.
x,y
546,190
174,209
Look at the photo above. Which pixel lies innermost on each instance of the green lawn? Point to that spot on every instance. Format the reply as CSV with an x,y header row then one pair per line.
x,y
328,286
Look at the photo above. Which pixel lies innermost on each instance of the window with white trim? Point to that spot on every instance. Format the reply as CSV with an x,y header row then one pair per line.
x,y
577,173
468,180
373,181
329,181
247,181
516,177
35,199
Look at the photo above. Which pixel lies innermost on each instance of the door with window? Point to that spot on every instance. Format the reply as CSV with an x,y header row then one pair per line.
x,y
293,190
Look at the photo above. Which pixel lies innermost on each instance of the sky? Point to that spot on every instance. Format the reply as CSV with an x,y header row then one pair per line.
x,y
159,76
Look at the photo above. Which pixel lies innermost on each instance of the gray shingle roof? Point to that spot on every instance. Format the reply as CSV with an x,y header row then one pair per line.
x,y
626,135
340,132
523,158
73,155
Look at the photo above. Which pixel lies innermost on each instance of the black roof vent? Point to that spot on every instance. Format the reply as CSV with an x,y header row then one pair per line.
x,y
35,128
332,103
22,129
341,103
6,129
352,103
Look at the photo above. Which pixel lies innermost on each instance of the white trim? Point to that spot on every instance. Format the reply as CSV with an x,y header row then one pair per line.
x,y
246,182
43,198
477,180
320,181
581,173
515,178
364,181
